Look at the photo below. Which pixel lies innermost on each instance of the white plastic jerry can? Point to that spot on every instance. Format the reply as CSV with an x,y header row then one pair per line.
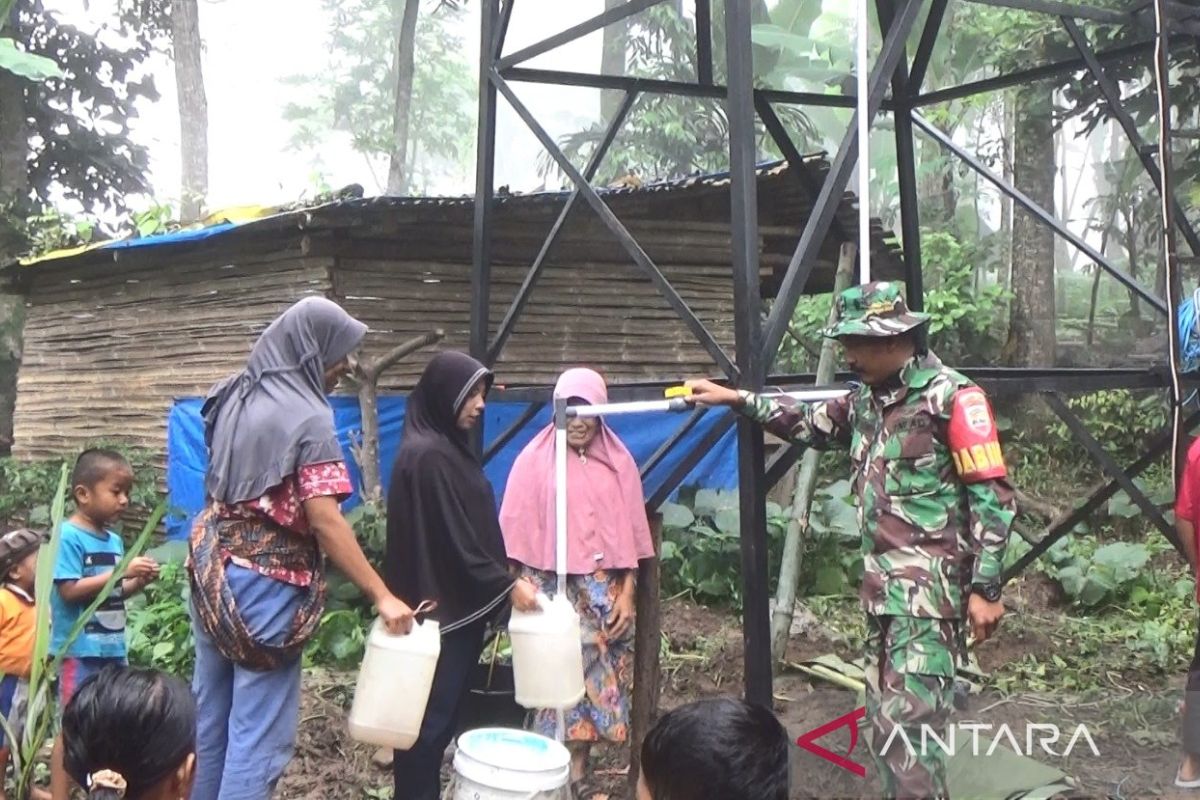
x,y
393,685
547,655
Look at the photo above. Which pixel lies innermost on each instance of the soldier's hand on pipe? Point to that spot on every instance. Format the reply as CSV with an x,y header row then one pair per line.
x,y
984,617
706,393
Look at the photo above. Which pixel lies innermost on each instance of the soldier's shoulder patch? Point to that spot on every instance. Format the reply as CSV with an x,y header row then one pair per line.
x,y
973,438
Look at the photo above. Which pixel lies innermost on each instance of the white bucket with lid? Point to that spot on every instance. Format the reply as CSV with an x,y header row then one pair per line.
x,y
506,764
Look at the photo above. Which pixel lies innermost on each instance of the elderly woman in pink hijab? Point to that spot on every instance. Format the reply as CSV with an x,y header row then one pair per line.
x,y
607,533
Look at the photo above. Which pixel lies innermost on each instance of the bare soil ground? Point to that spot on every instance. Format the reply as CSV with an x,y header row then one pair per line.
x,y
1133,723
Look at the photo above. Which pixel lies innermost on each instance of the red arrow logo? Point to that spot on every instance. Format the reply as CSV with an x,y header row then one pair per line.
x,y
809,741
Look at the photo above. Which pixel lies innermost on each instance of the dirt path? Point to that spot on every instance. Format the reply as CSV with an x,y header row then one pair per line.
x,y
1133,725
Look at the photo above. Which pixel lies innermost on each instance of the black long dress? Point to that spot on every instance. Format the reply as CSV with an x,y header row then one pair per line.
x,y
444,543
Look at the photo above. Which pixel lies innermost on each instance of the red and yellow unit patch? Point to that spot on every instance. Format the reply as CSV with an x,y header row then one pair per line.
x,y
974,441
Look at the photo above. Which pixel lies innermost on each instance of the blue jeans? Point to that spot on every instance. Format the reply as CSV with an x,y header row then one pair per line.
x,y
246,720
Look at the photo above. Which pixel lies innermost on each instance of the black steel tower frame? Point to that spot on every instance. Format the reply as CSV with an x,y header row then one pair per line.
x,y
895,86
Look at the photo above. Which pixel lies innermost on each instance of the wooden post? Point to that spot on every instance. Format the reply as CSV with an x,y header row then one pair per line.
x,y
646,652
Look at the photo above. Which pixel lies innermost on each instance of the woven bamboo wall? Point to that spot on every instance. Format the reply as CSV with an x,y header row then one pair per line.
x,y
106,352
590,305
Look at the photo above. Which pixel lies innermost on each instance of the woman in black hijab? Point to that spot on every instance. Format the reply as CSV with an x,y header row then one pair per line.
x,y
444,544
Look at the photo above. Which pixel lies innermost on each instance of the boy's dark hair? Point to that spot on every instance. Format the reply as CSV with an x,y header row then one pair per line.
x,y
139,723
94,464
722,748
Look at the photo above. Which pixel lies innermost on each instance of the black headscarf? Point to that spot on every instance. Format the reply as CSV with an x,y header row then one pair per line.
x,y
265,422
444,541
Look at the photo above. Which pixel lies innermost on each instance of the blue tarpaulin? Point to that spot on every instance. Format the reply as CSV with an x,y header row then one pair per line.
x,y
642,434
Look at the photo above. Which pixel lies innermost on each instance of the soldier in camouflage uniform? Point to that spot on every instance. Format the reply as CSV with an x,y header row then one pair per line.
x,y
935,509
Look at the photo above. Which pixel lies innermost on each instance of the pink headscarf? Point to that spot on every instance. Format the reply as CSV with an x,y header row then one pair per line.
x,y
606,514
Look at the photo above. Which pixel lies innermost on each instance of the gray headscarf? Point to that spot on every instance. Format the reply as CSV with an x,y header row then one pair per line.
x,y
262,424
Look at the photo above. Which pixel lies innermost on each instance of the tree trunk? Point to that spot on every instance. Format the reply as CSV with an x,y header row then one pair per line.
x,y
14,190
405,46
193,108
366,375
14,154
1031,334
14,127
1095,296
1004,278
14,139
1134,254
612,60
1062,255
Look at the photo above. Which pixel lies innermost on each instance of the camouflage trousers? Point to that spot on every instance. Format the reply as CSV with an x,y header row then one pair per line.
x,y
910,665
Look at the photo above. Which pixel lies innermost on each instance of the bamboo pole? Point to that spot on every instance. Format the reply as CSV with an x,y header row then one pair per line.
x,y
806,483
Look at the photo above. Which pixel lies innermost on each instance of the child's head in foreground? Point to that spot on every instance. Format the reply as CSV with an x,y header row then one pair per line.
x,y
18,558
722,748
101,483
131,733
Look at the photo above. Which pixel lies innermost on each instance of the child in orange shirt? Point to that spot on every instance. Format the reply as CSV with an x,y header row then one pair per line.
x,y
18,568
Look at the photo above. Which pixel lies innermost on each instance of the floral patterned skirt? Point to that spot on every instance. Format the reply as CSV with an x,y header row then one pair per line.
x,y
603,714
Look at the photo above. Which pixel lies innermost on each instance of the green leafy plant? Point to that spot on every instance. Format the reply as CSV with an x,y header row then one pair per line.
x,y
159,628
370,527
158,218
701,549
1121,420
25,485
1094,576
340,639
966,316
832,562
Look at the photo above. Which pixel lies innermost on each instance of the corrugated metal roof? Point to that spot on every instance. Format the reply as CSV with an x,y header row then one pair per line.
x,y
226,220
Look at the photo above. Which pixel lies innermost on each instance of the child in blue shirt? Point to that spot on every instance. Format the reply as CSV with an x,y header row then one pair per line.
x,y
88,551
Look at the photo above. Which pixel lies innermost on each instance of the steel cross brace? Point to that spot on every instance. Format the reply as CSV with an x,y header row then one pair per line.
x,y
706,443
1031,75
500,34
666,447
834,187
791,153
929,36
1161,444
590,80
1110,466
535,270
618,229
1112,96
592,25
1043,216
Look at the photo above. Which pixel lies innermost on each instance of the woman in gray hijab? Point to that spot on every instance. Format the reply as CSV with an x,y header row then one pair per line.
x,y
275,479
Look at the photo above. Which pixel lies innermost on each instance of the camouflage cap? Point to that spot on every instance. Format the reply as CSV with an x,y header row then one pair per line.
x,y
874,309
